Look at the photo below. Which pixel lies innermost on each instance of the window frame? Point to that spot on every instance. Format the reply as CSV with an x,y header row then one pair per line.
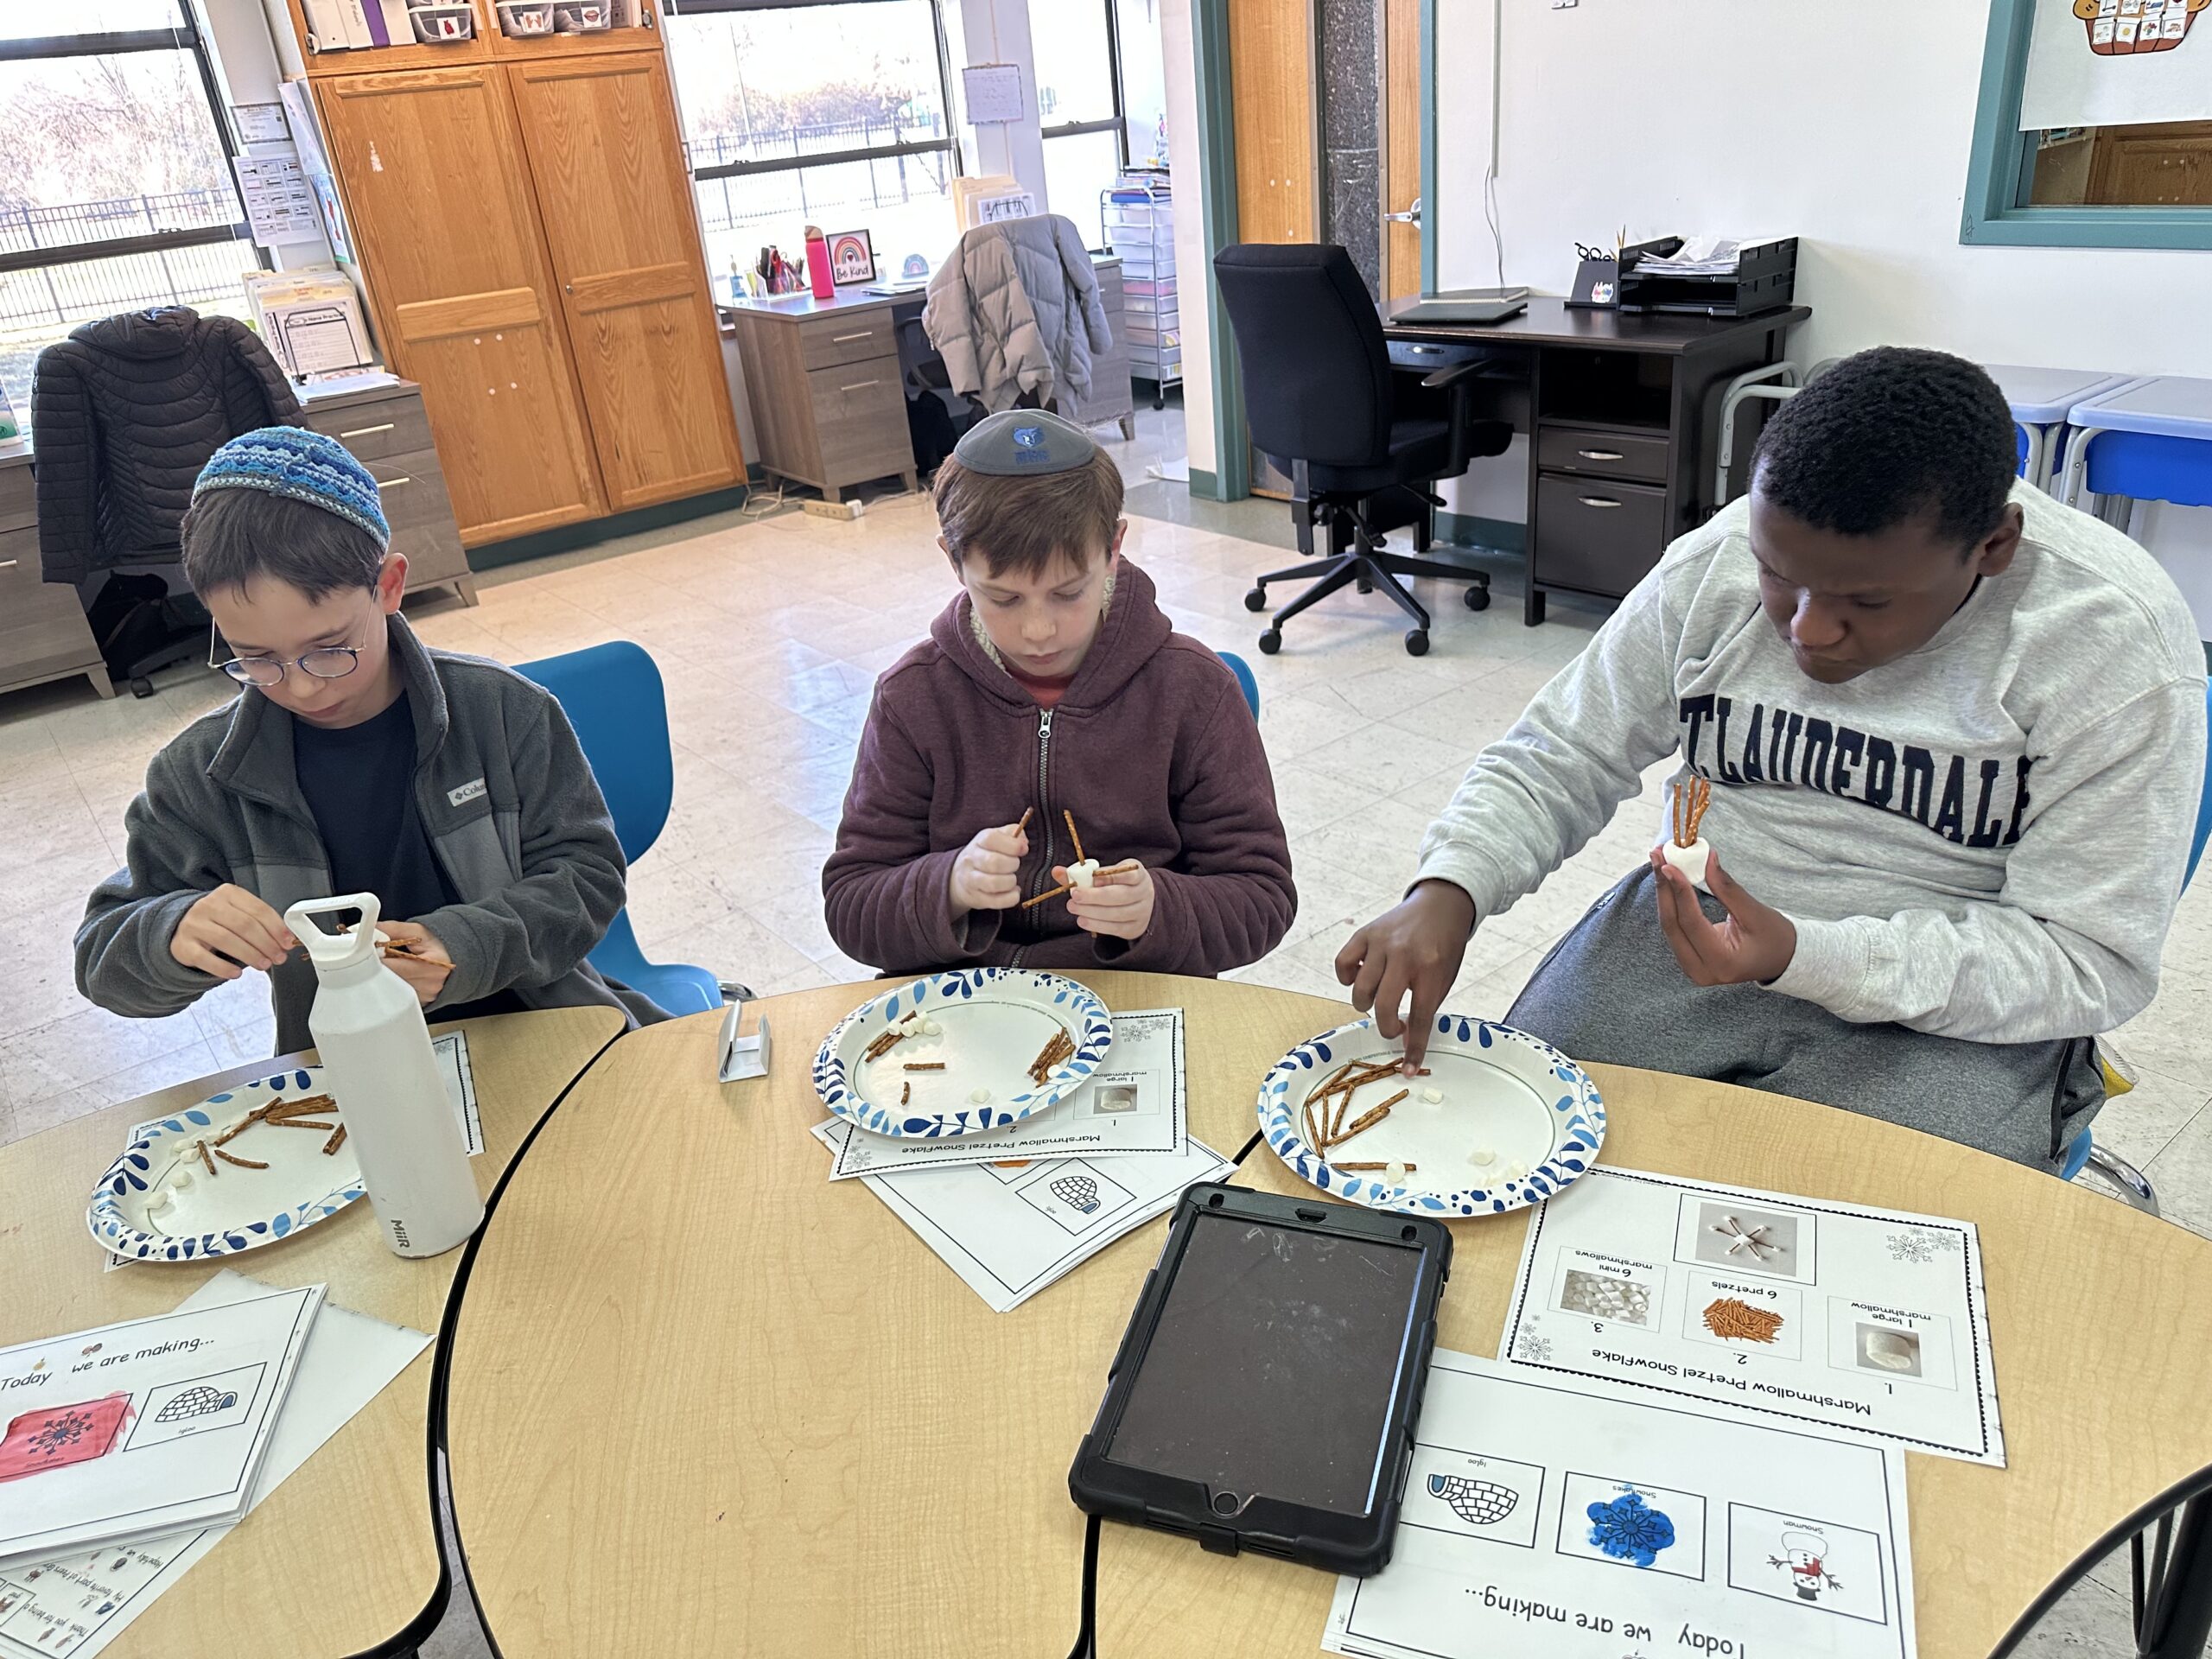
x,y
1118,122
185,36
1997,163
948,144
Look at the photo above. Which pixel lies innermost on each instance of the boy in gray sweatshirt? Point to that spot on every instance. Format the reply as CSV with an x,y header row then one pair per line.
x,y
352,760
1954,734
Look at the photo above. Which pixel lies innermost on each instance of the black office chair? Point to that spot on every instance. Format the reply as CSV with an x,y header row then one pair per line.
x,y
1363,446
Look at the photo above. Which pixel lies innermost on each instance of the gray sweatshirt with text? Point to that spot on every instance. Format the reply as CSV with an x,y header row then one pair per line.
x,y
1985,839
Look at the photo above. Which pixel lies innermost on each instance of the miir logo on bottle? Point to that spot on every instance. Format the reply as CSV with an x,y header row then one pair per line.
x,y
399,1233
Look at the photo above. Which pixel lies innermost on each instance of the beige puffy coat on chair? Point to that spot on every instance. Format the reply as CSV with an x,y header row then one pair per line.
x,y
1015,308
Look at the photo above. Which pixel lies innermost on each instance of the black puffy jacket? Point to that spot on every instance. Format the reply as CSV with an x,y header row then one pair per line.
x,y
124,413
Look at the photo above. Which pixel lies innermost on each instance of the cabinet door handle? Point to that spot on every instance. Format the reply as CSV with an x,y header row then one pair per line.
x,y
839,339
1601,454
367,431
8,564
567,287
1597,501
394,483
861,386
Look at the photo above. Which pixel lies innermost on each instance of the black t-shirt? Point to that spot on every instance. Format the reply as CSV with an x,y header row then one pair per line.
x,y
359,782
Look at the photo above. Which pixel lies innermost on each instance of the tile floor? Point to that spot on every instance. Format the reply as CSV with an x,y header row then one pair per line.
x,y
770,632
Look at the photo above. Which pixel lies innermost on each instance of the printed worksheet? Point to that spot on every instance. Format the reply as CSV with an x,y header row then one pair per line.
x,y
452,1054
1133,1103
78,1602
1765,1305
1010,1230
136,1429
1584,1521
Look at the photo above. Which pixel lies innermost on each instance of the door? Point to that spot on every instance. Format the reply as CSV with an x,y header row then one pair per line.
x,y
1401,226
430,165
623,232
1271,89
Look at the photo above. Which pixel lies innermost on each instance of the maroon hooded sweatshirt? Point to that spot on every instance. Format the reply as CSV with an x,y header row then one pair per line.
x,y
1152,748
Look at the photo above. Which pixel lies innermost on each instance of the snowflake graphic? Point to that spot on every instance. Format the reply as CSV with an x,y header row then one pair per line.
x,y
1630,1530
1534,1349
62,1433
1920,1247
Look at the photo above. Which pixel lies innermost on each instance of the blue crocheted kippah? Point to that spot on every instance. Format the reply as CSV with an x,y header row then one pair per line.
x,y
291,460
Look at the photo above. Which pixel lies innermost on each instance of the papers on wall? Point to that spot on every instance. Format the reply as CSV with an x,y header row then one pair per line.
x,y
307,136
280,203
2130,61
1582,1521
1010,1232
310,320
78,1602
1134,1104
992,93
1764,1307
136,1429
260,123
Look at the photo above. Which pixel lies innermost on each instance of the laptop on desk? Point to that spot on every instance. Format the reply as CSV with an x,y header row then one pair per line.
x,y
1471,305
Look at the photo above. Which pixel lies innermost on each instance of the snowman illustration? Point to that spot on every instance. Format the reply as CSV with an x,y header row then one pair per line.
x,y
1805,1557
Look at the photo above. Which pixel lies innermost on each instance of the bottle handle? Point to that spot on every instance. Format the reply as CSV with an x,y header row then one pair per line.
x,y
335,950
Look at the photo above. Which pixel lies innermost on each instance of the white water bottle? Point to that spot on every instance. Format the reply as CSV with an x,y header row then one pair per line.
x,y
368,1024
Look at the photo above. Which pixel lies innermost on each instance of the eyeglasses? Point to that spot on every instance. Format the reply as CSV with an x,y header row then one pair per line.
x,y
323,663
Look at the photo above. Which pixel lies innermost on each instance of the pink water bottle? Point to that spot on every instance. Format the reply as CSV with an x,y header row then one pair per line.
x,y
817,265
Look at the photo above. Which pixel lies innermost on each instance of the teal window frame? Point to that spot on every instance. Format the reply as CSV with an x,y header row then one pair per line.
x,y
1992,217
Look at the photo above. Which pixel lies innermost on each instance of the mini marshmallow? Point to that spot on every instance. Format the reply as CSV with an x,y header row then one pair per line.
x,y
1080,874
977,1097
1394,1173
1433,1097
1689,860
1482,1157
1516,1173
181,1179
930,1028
161,1203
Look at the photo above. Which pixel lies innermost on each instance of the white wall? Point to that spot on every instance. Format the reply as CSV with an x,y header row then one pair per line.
x,y
246,65
1847,126
1190,239
997,31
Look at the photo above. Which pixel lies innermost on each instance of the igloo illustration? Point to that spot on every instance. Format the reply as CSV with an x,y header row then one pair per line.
x,y
202,1401
1478,1502
1077,1191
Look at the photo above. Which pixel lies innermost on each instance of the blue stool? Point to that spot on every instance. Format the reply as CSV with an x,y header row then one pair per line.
x,y
2041,400
2146,440
612,695
2081,1151
1243,671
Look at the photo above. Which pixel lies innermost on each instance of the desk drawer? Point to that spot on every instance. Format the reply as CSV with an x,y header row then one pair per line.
x,y
18,497
1605,454
1599,536
823,341
391,426
42,626
860,421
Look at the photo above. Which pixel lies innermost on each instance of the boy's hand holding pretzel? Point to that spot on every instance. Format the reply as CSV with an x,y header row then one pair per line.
x,y
1117,903
987,873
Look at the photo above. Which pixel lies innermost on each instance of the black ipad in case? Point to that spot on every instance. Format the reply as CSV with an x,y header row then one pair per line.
x,y
1265,1393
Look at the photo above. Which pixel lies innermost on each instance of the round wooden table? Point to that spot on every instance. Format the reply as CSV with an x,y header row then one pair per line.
x,y
702,1401
343,1558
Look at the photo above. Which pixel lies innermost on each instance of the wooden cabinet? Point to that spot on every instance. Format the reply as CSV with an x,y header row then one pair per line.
x,y
625,247
389,432
531,253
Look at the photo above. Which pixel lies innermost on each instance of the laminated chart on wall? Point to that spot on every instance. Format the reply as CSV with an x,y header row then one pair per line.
x,y
1134,1103
1773,1308
1582,1521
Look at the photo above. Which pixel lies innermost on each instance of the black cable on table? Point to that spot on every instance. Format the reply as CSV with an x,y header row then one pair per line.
x,y
1086,1638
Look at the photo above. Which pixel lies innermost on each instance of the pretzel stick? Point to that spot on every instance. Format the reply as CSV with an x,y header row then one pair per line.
x,y
905,1093
1042,897
1074,835
298,1124
1691,800
925,1066
1370,1118
242,1163
1023,823
204,1158
1312,1135
1409,1168
239,1128
306,1104
334,1142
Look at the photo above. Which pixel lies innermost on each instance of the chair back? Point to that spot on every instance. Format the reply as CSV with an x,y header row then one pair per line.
x,y
1250,687
1317,368
612,695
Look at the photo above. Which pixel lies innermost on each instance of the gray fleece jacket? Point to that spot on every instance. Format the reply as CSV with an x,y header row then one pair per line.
x,y
514,818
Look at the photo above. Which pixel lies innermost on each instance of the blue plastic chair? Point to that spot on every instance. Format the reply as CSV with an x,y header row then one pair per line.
x,y
612,695
1243,671
2082,1148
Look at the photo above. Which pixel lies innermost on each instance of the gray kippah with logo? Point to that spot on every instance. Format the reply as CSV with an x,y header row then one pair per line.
x,y
1024,443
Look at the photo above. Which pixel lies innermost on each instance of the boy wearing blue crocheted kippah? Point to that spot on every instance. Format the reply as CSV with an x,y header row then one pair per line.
x,y
354,760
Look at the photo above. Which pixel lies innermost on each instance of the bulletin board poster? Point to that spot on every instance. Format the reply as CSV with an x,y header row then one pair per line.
x,y
2115,63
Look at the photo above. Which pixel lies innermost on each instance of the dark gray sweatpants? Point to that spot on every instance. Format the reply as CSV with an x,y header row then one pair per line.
x,y
1611,991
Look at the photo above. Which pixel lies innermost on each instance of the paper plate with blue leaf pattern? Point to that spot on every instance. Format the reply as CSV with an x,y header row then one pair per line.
x,y
974,1031
141,1211
1516,1120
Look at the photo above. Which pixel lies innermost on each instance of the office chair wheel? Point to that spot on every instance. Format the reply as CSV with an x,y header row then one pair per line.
x,y
1416,642
1363,585
1256,599
1477,598
1271,641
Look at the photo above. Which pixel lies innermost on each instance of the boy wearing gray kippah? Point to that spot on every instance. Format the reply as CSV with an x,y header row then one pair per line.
x,y
352,760
1052,688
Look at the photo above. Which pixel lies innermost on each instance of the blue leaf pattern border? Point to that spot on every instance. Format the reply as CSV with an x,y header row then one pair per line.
x,y
1578,1119
1077,1006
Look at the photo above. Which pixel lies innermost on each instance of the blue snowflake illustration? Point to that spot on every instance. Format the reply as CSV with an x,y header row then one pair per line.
x,y
1628,1529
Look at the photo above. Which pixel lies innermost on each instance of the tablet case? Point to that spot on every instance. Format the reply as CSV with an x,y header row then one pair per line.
x,y
1225,1523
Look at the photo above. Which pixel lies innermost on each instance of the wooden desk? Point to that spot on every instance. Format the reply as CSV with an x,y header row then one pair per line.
x,y
826,381
344,1556
701,1400
1623,418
